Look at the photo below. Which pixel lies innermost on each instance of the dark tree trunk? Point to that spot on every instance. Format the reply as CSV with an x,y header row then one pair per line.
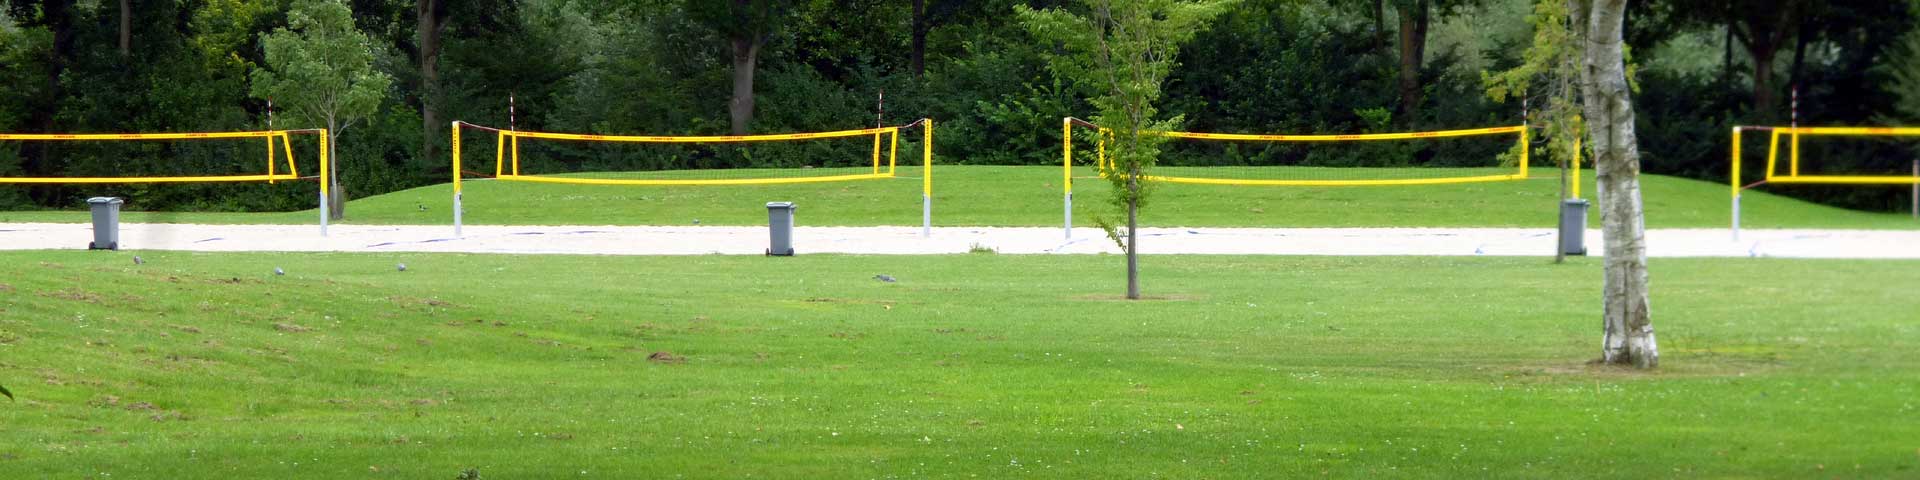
x,y
1726,56
1763,95
337,195
919,39
430,18
1379,23
1800,38
746,52
1763,32
57,16
1413,48
1133,234
126,27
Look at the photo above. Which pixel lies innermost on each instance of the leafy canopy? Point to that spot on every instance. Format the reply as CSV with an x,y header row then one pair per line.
x,y
1123,50
321,69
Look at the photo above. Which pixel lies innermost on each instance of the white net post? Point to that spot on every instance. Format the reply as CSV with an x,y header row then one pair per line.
x,y
1066,177
926,179
326,179
457,209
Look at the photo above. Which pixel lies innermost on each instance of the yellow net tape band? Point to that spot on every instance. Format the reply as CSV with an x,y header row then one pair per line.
x,y
1847,179
228,178
668,182
700,139
1860,131
1341,138
145,136
1335,183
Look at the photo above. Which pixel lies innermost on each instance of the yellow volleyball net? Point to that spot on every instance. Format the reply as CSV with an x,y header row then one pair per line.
x,y
716,160
277,164
1355,160
1822,156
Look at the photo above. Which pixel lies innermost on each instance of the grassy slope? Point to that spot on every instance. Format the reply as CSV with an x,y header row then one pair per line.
x,y
1031,196
203,365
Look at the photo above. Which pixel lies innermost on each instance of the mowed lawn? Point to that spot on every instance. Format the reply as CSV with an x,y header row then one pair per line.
x,y
992,366
1032,196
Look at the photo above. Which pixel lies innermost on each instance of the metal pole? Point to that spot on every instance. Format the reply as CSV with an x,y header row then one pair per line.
x,y
1736,217
1066,180
926,181
1734,183
456,180
1794,164
326,180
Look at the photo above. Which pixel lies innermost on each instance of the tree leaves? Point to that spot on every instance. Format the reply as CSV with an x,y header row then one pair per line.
x,y
321,67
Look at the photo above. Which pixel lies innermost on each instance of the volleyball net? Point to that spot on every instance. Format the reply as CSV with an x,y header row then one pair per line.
x,y
713,160
171,158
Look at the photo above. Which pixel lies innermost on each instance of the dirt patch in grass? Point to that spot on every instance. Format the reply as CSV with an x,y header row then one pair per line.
x,y
1692,367
74,295
1178,297
850,301
6,287
291,328
665,357
416,301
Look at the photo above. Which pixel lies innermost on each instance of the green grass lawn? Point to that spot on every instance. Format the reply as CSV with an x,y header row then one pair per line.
x,y
208,366
1031,196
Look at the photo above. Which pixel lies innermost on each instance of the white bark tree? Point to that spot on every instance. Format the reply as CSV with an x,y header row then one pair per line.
x,y
1608,102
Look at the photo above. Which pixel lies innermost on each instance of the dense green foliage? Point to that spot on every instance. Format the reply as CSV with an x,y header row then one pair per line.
x,y
1306,66
208,366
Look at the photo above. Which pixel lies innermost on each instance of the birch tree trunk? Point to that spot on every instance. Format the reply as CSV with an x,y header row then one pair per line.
x,y
1608,104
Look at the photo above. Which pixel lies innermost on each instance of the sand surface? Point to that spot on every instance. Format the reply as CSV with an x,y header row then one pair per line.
x,y
701,240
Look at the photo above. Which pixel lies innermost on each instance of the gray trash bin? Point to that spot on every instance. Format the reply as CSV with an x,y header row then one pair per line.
x,y
1573,226
106,223
780,227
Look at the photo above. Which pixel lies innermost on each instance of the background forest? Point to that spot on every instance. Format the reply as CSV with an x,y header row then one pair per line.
x,y
672,67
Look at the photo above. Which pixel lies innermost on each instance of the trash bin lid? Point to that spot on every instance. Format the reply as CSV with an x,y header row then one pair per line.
x,y
779,204
110,200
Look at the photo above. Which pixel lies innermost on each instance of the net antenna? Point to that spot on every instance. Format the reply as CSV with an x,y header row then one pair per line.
x,y
270,174
1200,175
508,168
